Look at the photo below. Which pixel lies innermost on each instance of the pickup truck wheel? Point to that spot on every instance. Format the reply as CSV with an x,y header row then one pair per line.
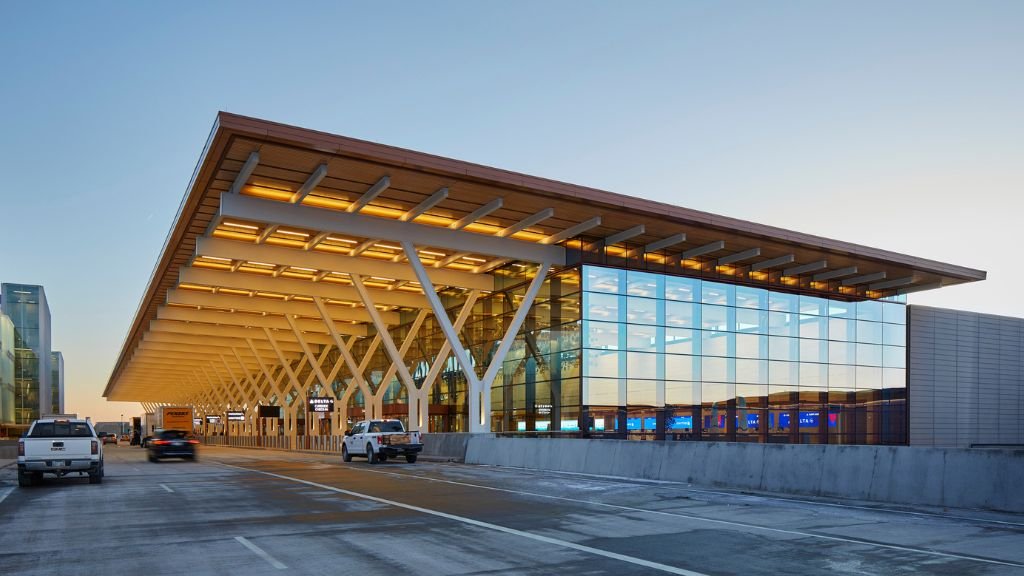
x,y
95,478
370,456
410,458
25,479
153,458
345,456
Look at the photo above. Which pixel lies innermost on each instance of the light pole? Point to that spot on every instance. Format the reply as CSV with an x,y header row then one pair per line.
x,y
121,431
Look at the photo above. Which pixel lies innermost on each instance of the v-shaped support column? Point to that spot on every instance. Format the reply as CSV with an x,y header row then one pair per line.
x,y
389,344
480,389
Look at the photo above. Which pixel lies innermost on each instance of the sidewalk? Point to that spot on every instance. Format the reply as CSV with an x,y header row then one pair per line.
x,y
5,462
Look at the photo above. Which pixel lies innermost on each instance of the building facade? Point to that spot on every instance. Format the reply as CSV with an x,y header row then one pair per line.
x,y
463,298
6,371
966,378
36,382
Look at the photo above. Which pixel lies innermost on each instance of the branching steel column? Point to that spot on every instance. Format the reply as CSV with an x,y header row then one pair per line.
x,y
450,334
346,354
382,330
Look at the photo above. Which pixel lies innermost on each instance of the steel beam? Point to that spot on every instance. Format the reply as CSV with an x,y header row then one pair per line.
x,y
245,172
665,242
832,275
311,183
279,255
858,280
624,235
261,210
324,289
739,257
703,250
805,268
773,263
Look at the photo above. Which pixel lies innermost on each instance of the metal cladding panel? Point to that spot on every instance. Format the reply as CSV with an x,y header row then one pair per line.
x,y
965,378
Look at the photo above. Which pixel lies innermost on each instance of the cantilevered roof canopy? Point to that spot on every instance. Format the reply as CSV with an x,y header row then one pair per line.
x,y
288,238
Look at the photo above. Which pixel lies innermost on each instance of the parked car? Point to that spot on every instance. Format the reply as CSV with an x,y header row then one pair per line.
x,y
124,437
59,446
108,437
379,440
172,444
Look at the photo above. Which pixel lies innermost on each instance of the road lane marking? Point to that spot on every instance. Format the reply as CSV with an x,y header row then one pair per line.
x,y
6,494
260,552
703,519
479,524
165,487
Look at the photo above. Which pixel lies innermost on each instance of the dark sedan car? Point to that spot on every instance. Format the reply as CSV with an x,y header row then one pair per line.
x,y
172,444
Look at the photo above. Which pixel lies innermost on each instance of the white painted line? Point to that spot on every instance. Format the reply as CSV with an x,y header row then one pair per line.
x,y
6,493
486,525
260,552
165,487
703,519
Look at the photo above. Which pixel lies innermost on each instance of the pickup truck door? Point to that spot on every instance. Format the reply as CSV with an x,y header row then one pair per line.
x,y
355,441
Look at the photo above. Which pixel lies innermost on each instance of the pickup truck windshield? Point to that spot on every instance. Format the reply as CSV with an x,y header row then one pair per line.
x,y
391,426
61,430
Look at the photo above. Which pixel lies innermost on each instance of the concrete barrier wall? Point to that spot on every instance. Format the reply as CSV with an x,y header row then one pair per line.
x,y
449,446
950,477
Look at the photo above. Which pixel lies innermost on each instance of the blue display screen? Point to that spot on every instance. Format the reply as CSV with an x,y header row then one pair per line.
x,y
681,423
650,423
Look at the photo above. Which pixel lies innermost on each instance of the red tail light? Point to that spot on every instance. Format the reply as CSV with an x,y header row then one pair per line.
x,y
159,442
193,441
95,447
21,448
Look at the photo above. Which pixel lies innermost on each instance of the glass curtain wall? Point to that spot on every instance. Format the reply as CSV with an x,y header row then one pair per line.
x,y
678,357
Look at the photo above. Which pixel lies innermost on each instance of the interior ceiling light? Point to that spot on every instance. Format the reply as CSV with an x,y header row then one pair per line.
x,y
345,240
291,233
388,246
429,253
217,258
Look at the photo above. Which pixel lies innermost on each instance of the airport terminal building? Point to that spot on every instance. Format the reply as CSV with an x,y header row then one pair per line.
x,y
339,279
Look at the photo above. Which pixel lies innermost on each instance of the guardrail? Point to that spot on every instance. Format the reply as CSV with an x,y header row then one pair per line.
x,y
330,444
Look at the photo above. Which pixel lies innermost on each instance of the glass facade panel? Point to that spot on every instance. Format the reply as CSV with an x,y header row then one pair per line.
x,y
736,363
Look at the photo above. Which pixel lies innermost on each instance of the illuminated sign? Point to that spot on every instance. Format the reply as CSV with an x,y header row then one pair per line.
x,y
269,411
321,404
211,419
197,421
236,416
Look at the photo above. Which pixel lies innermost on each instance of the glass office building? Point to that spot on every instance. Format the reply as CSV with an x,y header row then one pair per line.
x,y
29,312
6,371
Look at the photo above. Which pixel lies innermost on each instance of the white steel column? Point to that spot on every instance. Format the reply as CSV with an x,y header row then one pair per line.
x,y
480,389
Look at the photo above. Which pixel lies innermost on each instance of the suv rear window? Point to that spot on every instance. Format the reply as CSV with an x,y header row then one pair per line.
x,y
173,435
387,426
61,430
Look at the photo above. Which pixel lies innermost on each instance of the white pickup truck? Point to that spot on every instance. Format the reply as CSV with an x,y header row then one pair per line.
x,y
59,446
379,440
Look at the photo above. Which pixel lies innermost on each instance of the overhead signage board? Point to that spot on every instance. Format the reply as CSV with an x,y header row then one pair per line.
x,y
197,421
321,404
236,416
212,419
270,411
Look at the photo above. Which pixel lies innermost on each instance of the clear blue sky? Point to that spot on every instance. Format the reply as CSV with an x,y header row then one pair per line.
x,y
897,125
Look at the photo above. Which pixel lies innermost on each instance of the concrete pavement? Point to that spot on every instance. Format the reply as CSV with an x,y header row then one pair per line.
x,y
254,512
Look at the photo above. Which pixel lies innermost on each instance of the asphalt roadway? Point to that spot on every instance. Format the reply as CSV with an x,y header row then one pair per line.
x,y
255,512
